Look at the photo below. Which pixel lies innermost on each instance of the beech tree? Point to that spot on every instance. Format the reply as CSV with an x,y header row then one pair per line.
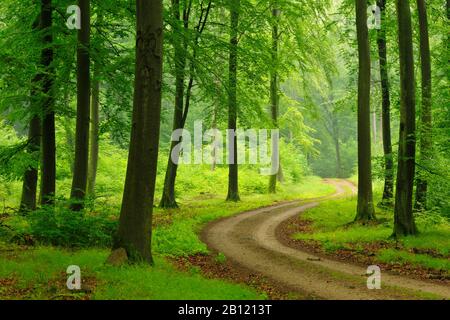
x,y
184,82
80,172
94,131
274,98
30,178
95,114
180,27
233,182
426,142
388,190
48,172
135,222
365,207
403,216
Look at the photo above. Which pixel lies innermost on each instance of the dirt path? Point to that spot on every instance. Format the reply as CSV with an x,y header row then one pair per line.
x,y
250,240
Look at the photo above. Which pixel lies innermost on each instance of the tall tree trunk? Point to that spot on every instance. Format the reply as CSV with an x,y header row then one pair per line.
x,y
214,127
386,110
338,157
94,132
180,48
426,143
30,178
180,115
403,216
280,175
67,123
448,39
48,172
374,127
365,208
274,99
80,171
135,223
233,182
448,9
69,133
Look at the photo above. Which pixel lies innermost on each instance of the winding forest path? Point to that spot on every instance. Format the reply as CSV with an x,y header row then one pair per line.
x,y
250,240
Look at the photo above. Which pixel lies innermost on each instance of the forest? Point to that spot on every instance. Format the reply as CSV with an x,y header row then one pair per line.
x,y
224,150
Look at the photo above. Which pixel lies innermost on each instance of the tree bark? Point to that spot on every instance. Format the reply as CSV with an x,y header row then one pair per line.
x,y
69,134
274,99
386,110
448,9
374,127
30,179
338,157
80,172
135,223
182,96
94,132
403,216
180,47
233,182
214,127
365,208
48,172
426,142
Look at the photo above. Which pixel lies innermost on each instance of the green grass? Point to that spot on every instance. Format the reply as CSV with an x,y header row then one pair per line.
x,y
437,239
40,273
333,228
392,255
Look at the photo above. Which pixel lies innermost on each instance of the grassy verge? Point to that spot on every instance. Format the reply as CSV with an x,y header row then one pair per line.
x,y
332,229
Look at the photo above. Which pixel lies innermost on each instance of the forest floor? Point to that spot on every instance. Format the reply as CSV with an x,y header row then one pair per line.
x,y
34,269
265,247
260,248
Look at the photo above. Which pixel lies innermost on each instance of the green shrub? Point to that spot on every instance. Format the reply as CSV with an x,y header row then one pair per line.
x,y
63,227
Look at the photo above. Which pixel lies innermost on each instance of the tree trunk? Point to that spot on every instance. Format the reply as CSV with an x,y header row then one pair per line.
x,y
180,115
448,9
180,48
274,99
233,182
80,172
386,110
365,208
338,157
48,172
94,132
403,216
280,175
426,143
214,127
135,223
374,127
30,179
69,133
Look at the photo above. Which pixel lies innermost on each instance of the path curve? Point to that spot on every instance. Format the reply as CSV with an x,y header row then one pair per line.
x,y
249,239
